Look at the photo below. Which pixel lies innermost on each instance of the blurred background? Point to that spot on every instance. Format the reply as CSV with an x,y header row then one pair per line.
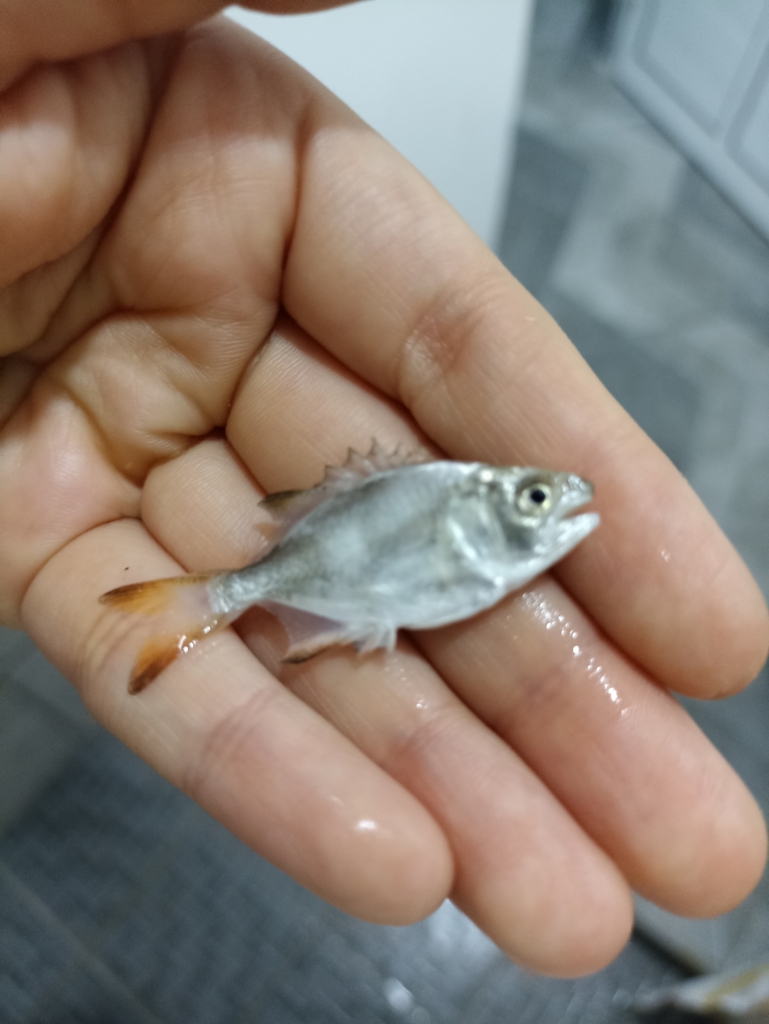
x,y
616,156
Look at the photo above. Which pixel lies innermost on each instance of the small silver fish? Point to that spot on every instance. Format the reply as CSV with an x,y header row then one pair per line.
x,y
732,994
381,544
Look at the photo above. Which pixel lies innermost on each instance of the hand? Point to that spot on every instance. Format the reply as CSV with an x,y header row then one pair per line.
x,y
215,279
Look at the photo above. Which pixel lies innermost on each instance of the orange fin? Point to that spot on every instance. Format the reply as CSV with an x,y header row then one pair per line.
x,y
183,606
156,655
159,652
153,596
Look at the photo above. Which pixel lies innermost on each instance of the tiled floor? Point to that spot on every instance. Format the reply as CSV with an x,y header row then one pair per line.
x,y
122,902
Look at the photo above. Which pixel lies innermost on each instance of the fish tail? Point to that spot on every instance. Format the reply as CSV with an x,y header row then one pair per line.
x,y
158,652
154,596
185,603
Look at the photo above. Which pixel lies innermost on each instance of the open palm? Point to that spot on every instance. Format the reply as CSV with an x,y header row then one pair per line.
x,y
213,280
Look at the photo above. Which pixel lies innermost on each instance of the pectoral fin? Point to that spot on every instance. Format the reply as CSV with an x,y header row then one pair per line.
x,y
310,634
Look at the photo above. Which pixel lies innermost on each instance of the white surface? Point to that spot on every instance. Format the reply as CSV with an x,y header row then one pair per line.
x,y
700,69
439,79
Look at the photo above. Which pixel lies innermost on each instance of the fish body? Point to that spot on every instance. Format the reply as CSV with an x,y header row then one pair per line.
x,y
380,546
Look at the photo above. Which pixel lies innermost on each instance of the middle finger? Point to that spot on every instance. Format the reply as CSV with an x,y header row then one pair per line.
x,y
614,747
525,871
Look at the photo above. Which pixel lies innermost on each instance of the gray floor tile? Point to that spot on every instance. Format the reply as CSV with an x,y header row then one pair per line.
x,y
83,847
557,28
210,929
42,724
278,1014
748,524
339,985
546,186
33,950
39,676
15,646
721,258
662,401
603,998
435,965
36,743
88,994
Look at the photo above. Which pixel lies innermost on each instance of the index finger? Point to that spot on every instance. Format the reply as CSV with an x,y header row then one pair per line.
x,y
388,279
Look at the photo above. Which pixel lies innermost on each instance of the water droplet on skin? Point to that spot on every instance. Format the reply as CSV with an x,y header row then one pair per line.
x,y
362,824
551,619
398,671
365,825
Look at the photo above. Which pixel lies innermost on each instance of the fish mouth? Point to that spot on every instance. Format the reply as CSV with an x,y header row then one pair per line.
x,y
574,529
570,531
576,493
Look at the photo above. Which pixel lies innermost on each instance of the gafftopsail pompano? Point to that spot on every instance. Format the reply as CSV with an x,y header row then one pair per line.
x,y
382,543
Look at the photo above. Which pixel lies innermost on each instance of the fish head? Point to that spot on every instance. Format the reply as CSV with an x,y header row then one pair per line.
x,y
533,509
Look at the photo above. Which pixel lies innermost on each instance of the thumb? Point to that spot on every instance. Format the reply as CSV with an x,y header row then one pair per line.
x,y
35,31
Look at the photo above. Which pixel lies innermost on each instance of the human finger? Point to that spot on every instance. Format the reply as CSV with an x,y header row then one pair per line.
x,y
35,31
416,305
69,137
617,751
221,728
144,353
524,871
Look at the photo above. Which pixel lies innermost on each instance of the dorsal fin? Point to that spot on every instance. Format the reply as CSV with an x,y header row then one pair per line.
x,y
377,460
288,507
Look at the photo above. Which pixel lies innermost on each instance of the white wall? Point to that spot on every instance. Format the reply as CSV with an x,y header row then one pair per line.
x,y
440,79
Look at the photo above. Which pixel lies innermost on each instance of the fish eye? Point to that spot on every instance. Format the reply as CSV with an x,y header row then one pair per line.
x,y
534,498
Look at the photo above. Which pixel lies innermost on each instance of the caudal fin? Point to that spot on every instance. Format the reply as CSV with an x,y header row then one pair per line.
x,y
181,603
154,596
159,652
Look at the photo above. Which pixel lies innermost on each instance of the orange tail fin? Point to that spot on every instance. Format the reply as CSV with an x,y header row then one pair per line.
x,y
153,596
185,602
159,652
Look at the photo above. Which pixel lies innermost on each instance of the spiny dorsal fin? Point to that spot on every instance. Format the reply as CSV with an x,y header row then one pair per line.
x,y
378,459
288,507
